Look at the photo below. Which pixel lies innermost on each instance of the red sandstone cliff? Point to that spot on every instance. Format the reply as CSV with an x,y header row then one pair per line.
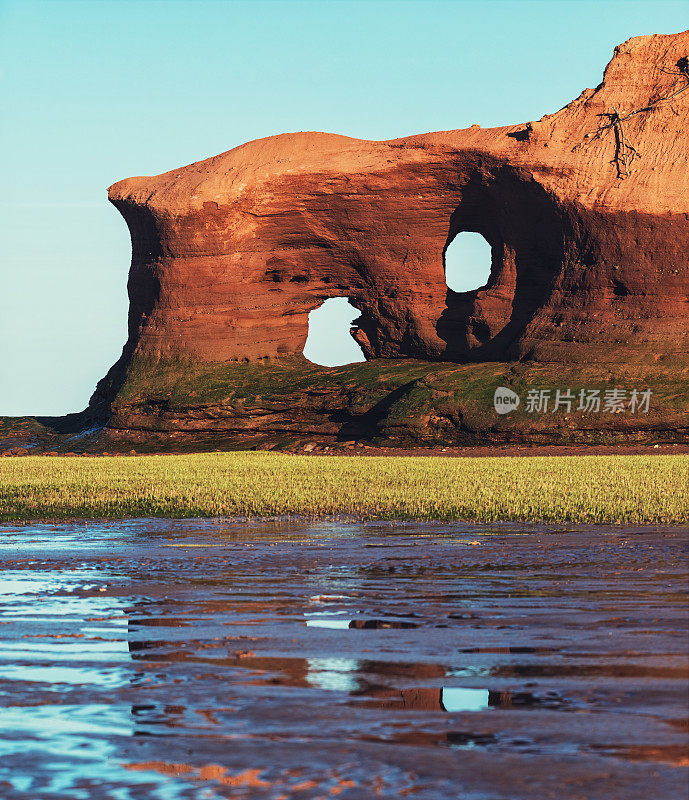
x,y
590,242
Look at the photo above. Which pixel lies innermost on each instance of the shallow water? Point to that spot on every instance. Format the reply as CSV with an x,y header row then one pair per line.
x,y
202,659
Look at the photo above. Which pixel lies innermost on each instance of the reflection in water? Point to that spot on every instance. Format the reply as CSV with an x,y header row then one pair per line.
x,y
453,699
62,719
260,667
677,755
381,624
334,622
358,677
338,674
326,621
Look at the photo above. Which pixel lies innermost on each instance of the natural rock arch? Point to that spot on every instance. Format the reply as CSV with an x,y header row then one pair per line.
x,y
229,255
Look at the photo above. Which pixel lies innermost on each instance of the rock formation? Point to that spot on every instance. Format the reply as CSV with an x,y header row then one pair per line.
x,y
586,212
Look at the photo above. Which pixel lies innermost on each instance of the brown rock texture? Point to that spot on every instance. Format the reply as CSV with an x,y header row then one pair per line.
x,y
588,225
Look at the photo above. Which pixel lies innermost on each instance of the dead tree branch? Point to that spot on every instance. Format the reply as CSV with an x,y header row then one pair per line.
x,y
625,152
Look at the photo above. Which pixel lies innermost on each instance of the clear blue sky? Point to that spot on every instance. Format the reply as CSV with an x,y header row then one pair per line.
x,y
95,91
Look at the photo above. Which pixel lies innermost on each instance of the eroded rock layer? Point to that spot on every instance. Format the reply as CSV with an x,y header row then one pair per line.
x,y
587,215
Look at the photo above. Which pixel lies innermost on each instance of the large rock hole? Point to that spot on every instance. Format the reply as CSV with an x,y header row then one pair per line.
x,y
467,261
329,342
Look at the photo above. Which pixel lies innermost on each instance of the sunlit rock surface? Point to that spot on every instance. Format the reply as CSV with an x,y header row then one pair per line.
x,y
589,230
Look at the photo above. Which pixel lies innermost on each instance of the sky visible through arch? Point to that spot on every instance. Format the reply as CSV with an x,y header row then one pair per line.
x,y
95,91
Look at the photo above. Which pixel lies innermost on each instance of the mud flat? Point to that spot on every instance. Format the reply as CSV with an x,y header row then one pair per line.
x,y
201,659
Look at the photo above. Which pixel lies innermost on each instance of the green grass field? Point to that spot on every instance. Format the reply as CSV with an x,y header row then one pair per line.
x,y
592,489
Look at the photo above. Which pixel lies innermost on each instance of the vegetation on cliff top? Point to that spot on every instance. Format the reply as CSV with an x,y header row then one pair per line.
x,y
583,489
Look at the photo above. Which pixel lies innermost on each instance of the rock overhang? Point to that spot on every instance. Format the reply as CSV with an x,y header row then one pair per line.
x,y
230,254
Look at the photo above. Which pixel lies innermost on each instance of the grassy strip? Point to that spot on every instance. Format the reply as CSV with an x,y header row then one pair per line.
x,y
591,489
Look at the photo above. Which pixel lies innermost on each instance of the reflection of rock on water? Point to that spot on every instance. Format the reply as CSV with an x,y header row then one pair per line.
x,y
422,699
381,624
162,689
340,674
508,699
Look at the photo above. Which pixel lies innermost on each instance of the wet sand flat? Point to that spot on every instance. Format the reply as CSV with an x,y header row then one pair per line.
x,y
204,659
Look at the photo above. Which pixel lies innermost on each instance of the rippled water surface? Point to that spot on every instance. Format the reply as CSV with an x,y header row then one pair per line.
x,y
203,659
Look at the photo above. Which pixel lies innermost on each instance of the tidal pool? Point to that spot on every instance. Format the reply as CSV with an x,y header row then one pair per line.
x,y
212,659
